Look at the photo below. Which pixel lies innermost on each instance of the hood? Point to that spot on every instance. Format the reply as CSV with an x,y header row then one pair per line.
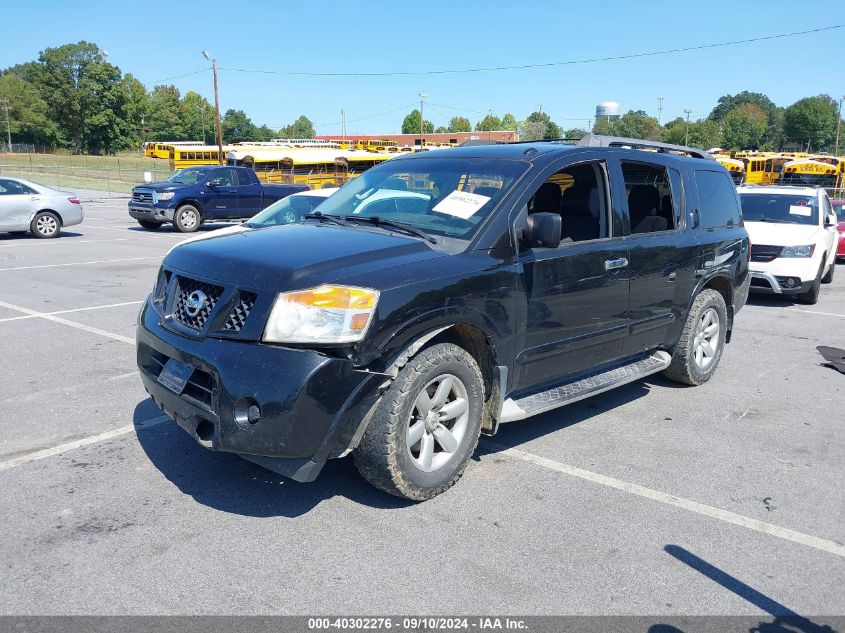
x,y
295,256
781,234
160,186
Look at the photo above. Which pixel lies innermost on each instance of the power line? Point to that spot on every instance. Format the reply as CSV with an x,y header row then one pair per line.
x,y
407,73
160,81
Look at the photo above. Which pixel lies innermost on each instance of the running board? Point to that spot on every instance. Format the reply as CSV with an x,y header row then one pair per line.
x,y
537,403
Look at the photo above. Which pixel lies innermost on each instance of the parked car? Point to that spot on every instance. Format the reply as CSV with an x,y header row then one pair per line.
x,y
839,209
204,193
793,236
534,275
28,206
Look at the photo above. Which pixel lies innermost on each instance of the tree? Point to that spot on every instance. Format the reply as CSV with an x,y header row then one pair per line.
x,y
82,93
812,119
237,126
411,124
137,109
489,123
459,124
441,129
773,136
198,118
165,120
575,133
744,127
509,122
266,133
633,124
29,119
301,128
703,134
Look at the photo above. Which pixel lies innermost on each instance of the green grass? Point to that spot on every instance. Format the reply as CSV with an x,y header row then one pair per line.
x,y
107,173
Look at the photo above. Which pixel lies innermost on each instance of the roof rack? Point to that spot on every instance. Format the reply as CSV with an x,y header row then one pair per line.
x,y
598,140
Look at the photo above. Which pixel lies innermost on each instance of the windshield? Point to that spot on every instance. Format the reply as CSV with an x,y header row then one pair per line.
x,y
779,207
445,196
839,209
286,210
188,176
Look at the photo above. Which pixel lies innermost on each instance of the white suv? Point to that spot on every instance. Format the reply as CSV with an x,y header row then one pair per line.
x,y
793,239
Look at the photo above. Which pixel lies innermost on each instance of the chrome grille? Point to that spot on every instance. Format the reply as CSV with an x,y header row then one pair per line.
x,y
238,316
184,287
764,252
142,195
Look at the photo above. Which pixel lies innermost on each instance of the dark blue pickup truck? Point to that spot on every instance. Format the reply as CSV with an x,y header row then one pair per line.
x,y
204,193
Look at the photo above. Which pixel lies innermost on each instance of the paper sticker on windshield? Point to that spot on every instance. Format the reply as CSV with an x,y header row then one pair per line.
x,y
461,204
800,209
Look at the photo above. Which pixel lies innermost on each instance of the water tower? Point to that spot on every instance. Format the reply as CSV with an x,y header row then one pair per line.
x,y
607,110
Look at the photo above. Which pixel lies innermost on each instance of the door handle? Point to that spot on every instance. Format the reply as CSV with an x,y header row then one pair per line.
x,y
613,264
33,197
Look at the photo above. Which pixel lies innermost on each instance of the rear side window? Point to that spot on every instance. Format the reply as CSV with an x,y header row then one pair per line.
x,y
716,200
243,178
652,200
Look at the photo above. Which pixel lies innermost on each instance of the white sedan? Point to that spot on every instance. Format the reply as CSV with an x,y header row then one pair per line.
x,y
28,206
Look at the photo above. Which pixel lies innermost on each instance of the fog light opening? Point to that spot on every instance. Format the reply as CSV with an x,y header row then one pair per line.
x,y
247,412
205,430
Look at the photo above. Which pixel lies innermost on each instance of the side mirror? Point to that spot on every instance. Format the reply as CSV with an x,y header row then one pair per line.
x,y
543,230
211,184
830,222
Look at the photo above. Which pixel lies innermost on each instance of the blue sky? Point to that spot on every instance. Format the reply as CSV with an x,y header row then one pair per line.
x,y
157,40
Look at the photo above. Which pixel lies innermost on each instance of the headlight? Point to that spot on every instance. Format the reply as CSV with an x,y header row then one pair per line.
x,y
166,195
327,314
798,251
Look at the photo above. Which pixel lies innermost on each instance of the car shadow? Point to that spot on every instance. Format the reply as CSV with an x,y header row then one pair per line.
x,y
230,484
28,236
169,228
771,300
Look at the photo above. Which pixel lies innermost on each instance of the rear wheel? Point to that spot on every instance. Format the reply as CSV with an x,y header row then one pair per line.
x,y
187,219
699,349
811,297
45,225
426,426
149,224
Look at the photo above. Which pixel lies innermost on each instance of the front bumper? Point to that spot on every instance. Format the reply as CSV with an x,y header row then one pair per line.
x,y
152,213
784,275
311,404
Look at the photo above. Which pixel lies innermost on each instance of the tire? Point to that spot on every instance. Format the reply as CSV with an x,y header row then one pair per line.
x,y
828,276
187,218
446,373
811,297
46,225
149,224
691,364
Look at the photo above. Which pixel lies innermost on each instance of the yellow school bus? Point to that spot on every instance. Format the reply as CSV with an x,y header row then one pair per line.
x,y
190,155
162,149
811,171
735,167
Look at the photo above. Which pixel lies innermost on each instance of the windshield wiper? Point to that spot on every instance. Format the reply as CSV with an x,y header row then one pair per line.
x,y
379,221
322,217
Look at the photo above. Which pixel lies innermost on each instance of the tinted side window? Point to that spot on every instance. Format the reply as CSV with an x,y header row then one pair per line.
x,y
243,178
716,200
651,199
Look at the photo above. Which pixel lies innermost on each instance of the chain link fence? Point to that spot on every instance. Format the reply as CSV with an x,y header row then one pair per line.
x,y
113,176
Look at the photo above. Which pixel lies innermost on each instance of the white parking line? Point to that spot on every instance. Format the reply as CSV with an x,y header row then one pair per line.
x,y
78,326
98,261
85,441
679,502
833,314
36,315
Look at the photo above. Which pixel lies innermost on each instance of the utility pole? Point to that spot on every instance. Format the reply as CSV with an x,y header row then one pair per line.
x,y
688,111
422,120
221,158
838,124
4,103
660,109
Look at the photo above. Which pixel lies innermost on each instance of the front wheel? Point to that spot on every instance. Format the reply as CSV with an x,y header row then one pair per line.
x,y
811,297
426,426
187,218
45,225
828,276
699,349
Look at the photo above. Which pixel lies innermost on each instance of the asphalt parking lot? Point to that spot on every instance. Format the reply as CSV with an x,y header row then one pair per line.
x,y
652,499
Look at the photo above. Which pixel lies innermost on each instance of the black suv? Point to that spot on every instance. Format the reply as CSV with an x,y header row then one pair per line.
x,y
441,294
